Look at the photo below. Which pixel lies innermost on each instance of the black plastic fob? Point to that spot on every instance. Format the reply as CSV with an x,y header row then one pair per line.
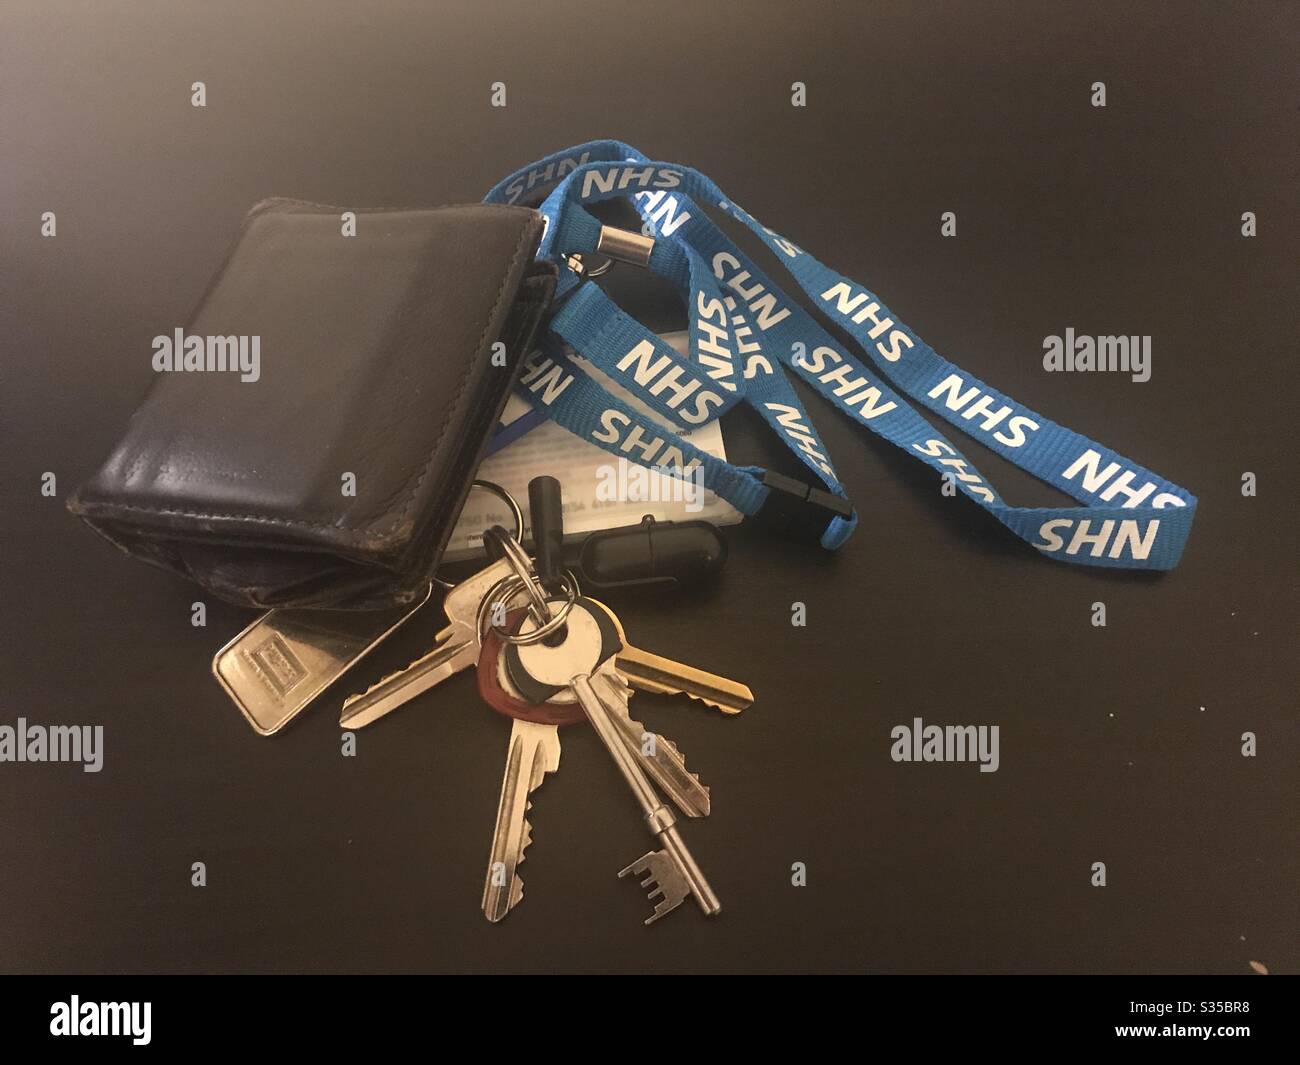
x,y
669,553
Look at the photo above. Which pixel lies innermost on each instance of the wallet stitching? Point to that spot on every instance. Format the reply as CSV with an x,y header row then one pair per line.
x,y
524,240
522,320
354,535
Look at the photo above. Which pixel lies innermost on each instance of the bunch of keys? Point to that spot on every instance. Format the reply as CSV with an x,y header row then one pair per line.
x,y
561,659
547,667
284,660
542,686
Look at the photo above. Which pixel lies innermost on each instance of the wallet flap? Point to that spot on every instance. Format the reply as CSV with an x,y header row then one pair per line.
x,y
358,390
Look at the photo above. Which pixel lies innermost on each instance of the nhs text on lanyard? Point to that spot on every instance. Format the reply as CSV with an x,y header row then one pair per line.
x,y
743,328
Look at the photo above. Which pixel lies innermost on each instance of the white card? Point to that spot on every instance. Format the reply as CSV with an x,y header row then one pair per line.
x,y
600,491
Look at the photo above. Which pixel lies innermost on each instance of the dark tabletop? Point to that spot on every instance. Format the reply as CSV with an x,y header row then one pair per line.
x,y
1120,744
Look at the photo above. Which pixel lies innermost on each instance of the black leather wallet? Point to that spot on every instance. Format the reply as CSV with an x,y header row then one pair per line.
x,y
330,470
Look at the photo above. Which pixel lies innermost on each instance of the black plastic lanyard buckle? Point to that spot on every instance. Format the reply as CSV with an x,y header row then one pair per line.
x,y
798,510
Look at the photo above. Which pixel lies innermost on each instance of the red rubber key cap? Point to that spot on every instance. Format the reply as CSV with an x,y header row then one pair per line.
x,y
502,701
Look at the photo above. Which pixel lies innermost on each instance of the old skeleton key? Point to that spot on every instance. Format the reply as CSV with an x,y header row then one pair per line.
x,y
583,658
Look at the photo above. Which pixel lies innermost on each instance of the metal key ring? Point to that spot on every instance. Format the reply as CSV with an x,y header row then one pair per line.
x,y
508,587
571,592
523,567
515,513
578,265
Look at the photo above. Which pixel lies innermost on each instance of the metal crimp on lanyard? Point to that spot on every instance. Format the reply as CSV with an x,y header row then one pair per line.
x,y
625,246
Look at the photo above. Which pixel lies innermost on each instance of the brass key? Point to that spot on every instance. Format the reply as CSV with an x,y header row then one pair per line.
x,y
655,673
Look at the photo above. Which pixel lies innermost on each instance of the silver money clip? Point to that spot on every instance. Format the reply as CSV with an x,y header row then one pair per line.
x,y
286,658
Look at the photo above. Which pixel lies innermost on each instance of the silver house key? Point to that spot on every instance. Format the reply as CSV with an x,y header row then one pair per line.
x,y
534,751
456,648
541,670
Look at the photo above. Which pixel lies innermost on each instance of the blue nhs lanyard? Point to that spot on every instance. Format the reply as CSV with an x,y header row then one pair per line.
x,y
744,329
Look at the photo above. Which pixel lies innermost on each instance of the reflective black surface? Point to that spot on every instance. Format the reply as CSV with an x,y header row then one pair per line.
x,y
1118,744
